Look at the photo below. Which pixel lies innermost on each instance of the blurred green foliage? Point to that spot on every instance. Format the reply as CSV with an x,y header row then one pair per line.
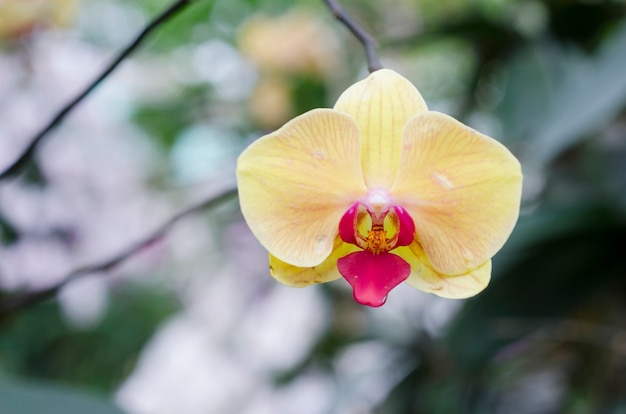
x,y
550,78
26,398
38,343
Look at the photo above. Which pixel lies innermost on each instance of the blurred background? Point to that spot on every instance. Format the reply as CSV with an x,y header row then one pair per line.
x,y
193,323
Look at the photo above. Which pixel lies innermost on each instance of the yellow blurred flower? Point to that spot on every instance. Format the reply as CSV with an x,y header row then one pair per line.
x,y
295,42
286,49
380,190
18,17
270,104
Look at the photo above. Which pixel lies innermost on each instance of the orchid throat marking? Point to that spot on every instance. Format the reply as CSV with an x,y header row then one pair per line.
x,y
376,225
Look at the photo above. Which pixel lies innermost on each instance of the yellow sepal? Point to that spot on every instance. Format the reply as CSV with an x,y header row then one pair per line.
x,y
381,104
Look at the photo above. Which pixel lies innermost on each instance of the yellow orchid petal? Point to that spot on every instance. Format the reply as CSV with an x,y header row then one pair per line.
x,y
303,276
382,103
296,183
425,278
461,188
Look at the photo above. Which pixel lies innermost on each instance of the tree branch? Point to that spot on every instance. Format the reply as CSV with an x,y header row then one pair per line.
x,y
19,301
28,152
368,42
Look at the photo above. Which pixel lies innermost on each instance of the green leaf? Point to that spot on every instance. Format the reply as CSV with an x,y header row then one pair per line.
x,y
555,261
8,234
556,98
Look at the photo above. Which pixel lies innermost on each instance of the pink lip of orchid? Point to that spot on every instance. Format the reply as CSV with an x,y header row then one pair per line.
x,y
380,190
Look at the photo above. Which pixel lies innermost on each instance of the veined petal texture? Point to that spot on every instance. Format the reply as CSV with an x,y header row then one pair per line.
x,y
303,276
296,183
461,188
381,104
427,279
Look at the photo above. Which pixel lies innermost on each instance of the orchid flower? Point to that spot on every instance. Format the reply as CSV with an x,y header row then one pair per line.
x,y
379,190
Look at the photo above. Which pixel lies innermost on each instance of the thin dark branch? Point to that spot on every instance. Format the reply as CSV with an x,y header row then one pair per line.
x,y
29,150
368,42
22,300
